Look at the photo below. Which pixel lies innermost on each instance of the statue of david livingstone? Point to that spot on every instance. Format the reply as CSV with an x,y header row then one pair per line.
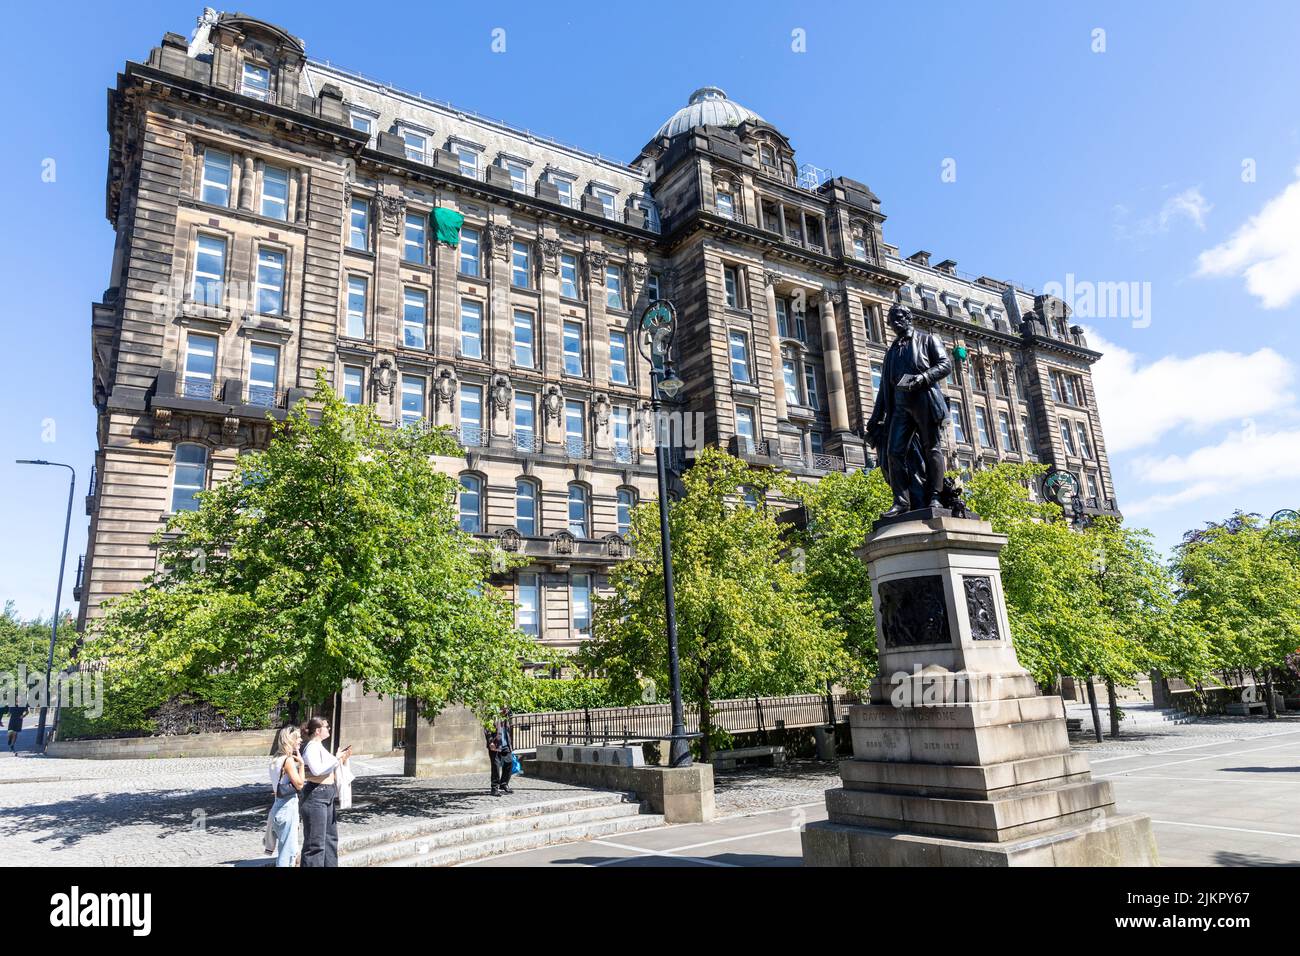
x,y
906,425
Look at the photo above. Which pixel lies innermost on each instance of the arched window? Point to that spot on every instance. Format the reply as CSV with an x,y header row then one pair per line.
x,y
526,506
189,477
626,502
471,504
579,511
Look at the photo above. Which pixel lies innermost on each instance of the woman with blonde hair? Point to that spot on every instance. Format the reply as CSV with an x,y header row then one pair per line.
x,y
287,778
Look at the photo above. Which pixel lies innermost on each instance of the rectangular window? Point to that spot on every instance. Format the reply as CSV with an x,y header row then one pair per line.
x,y
1027,432
877,373
263,374
471,415
738,344
575,429
1055,379
782,318
467,160
1074,386
614,287
275,193
417,147
190,477
572,348
1004,429
471,329
726,206
1085,446
621,425
607,201
816,442
415,242
580,591
525,422
353,377
200,366
521,266
1093,491
1067,438
958,422
652,286
412,399
525,356
415,310
618,358
209,270
358,287
518,176
790,375
859,247
216,178
565,188
361,123
470,253
731,283
256,82
359,225
745,427
528,603
270,281
569,275
810,383
982,424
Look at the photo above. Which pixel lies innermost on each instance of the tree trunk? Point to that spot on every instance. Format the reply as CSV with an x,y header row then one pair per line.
x,y
1114,707
1096,714
1268,694
706,726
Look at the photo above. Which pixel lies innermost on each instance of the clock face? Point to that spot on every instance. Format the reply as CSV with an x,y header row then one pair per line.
x,y
657,315
1060,486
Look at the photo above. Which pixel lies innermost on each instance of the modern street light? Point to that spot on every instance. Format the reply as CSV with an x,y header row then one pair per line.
x,y
658,327
58,594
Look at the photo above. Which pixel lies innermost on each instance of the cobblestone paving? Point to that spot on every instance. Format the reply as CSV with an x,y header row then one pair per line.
x,y
199,811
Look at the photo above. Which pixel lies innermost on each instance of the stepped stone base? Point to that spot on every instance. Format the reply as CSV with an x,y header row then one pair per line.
x,y
1110,841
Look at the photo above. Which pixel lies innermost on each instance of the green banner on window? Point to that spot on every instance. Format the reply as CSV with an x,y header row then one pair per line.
x,y
446,225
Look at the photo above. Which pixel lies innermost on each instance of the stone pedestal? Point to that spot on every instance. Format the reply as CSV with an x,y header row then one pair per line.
x,y
451,743
957,760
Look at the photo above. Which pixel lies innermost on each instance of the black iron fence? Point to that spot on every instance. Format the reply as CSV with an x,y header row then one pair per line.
x,y
648,722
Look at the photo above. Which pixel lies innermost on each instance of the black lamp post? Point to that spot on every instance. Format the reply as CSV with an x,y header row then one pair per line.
x,y
658,326
58,594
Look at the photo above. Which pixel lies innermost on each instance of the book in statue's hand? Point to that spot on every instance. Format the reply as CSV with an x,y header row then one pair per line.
x,y
907,382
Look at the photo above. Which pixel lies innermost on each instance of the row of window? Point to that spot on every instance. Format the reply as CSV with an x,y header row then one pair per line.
x,y
199,370
1067,389
528,603
528,515
215,185
961,430
208,285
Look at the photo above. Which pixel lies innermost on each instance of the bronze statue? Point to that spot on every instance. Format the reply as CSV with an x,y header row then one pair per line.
x,y
906,425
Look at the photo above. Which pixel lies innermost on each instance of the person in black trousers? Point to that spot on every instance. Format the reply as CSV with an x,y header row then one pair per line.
x,y
501,750
318,800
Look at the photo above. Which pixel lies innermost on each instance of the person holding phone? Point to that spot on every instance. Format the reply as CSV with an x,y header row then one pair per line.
x,y
320,836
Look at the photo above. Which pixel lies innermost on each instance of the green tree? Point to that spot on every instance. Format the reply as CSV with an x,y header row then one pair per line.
x,y
25,644
333,554
1240,583
747,621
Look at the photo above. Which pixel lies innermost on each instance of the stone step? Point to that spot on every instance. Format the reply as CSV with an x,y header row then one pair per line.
x,y
426,826
448,846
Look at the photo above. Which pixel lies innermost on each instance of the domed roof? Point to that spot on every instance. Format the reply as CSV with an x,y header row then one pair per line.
x,y
708,106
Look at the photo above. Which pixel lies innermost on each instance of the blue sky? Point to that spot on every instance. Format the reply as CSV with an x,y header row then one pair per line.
x,y
1164,152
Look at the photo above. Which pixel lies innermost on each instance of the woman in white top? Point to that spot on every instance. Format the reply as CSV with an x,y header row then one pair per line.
x,y
320,837
286,780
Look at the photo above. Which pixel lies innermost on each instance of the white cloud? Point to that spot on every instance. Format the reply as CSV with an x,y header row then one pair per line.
x,y
1140,402
1188,204
1247,457
1266,251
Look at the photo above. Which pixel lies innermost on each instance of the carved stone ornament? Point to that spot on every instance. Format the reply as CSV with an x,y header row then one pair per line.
x,y
499,239
385,374
229,429
596,262
563,542
509,539
771,278
831,295
913,611
981,607
553,403
601,408
637,275
347,194
502,392
551,255
392,211
444,387
615,546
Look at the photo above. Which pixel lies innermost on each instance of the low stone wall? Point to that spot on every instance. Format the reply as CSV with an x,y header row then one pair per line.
x,y
237,743
681,794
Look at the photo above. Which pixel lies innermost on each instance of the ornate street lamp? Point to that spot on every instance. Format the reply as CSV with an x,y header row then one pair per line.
x,y
58,594
658,327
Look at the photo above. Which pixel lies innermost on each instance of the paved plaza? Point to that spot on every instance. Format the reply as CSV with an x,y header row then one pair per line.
x,y
1220,792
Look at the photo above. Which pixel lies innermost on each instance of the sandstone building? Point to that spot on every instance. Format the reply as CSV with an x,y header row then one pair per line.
x,y
273,217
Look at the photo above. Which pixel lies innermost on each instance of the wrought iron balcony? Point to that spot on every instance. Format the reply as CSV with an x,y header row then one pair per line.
x,y
94,488
528,443
263,396
206,389
577,448
624,453
81,574
820,462
472,436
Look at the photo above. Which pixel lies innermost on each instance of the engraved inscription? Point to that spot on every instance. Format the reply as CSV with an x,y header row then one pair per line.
x,y
913,611
981,608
